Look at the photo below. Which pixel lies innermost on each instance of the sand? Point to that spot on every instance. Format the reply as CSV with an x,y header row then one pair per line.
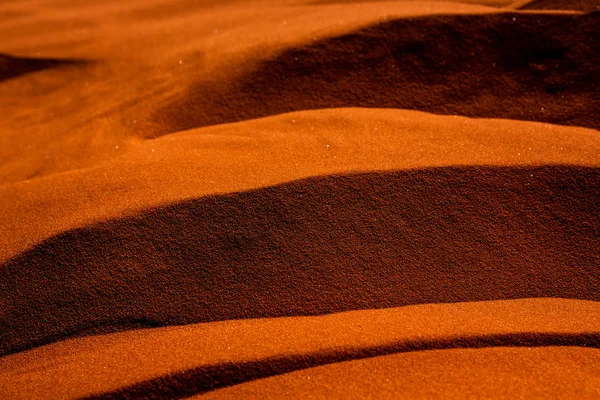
x,y
364,195
478,373
191,359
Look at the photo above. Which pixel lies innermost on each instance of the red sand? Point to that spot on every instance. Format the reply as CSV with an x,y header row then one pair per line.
x,y
259,153
115,220
499,65
549,372
187,360
315,246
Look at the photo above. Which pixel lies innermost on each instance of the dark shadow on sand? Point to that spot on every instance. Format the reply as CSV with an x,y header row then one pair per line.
x,y
205,379
531,67
13,67
314,246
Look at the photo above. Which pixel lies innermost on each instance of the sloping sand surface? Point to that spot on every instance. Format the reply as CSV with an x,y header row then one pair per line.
x,y
259,153
314,246
161,66
549,372
517,66
182,361
299,198
145,55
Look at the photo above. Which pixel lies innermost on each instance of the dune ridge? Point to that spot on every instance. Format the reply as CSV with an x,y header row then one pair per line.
x,y
518,66
319,198
314,246
204,356
184,384
548,372
75,118
265,152
141,66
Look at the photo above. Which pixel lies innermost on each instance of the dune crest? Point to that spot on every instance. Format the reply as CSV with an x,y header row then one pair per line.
x,y
258,153
517,66
287,198
199,358
438,374
314,246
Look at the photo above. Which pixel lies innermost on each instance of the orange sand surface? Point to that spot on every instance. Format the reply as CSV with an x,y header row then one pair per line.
x,y
299,198
153,360
258,153
548,372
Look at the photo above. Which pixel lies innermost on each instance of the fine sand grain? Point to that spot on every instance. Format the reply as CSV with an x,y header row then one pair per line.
x,y
299,198
548,372
314,246
192,359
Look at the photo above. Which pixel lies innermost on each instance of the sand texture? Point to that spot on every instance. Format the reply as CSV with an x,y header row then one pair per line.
x,y
299,199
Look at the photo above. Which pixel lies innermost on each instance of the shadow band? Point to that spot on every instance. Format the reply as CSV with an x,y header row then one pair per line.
x,y
205,379
12,67
316,246
509,65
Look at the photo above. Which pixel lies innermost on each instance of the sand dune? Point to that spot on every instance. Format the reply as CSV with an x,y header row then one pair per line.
x,y
270,151
143,68
144,55
238,198
517,66
482,373
200,358
315,246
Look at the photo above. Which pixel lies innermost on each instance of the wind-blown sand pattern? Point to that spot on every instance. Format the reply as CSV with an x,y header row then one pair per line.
x,y
289,199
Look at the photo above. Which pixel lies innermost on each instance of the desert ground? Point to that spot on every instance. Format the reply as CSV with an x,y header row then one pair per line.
x,y
299,199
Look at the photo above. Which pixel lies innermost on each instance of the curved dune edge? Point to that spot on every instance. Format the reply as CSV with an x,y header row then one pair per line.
x,y
147,52
518,66
499,373
310,247
269,151
104,363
